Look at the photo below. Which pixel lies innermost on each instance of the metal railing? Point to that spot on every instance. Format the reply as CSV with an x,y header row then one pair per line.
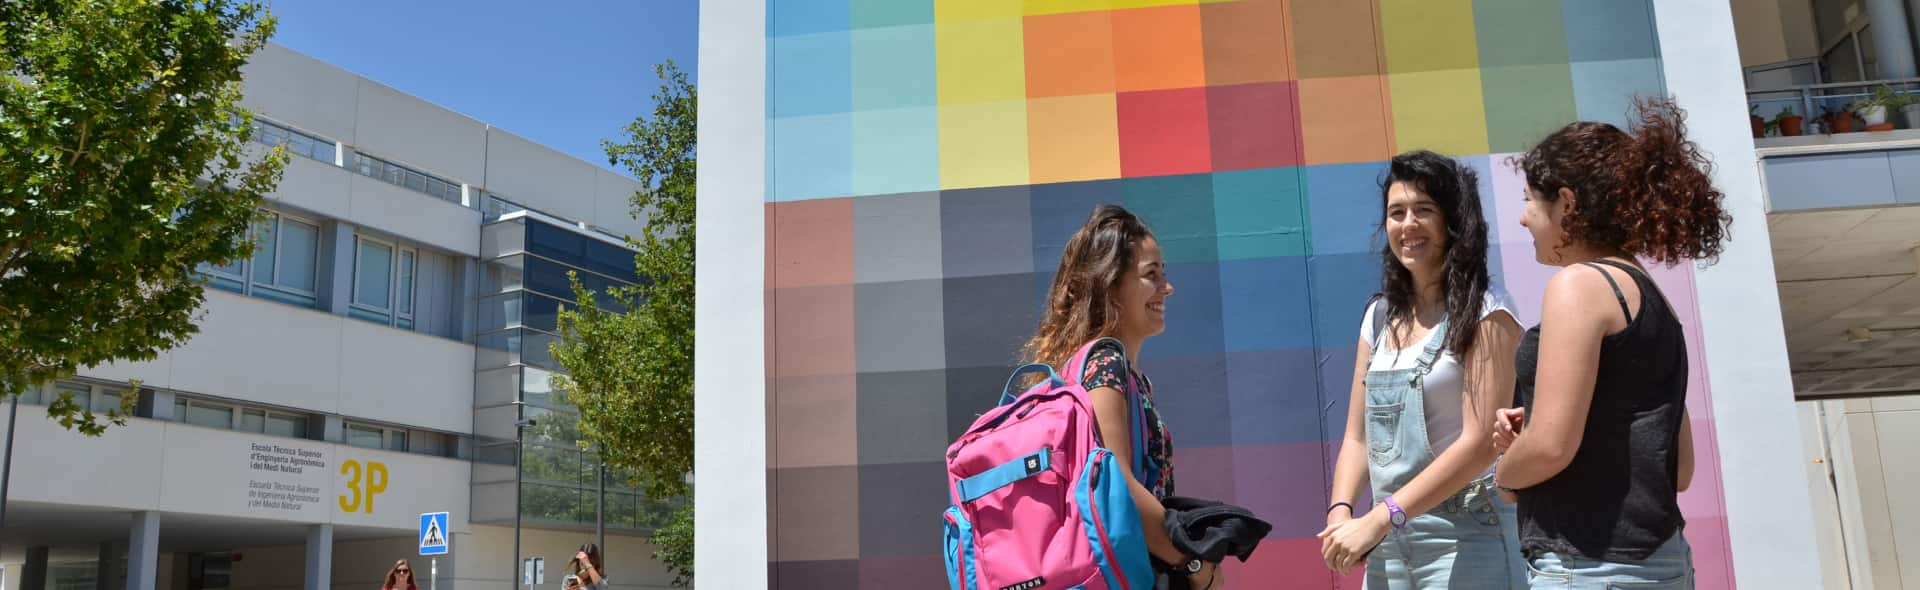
x,y
1802,100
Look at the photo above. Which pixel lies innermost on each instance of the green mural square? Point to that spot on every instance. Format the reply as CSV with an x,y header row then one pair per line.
x,y
1180,211
890,13
1520,32
1525,103
1257,214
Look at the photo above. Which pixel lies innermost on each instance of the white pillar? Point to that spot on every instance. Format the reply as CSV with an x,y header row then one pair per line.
x,y
143,551
730,418
319,557
1892,43
1769,524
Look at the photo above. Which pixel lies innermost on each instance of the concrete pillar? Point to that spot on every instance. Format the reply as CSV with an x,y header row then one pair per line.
x,y
333,429
143,551
1892,38
159,405
33,573
320,557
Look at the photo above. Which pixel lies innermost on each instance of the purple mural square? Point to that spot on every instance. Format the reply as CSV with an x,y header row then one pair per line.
x,y
1284,484
1191,394
906,572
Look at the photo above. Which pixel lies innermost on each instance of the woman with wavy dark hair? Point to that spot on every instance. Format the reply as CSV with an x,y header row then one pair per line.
x,y
1435,359
399,577
1600,449
1112,283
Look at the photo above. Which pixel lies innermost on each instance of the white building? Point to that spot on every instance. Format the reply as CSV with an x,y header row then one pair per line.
x,y
363,368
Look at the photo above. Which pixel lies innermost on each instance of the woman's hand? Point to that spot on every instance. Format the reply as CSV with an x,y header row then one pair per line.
x,y
1343,545
1507,423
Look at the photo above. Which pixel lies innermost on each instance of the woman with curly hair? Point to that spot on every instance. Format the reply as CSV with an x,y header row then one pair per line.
x,y
1600,448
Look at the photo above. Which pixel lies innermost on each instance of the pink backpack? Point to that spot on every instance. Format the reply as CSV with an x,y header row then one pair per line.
x,y
1038,503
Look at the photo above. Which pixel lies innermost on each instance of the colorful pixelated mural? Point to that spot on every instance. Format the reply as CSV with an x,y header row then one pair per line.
x,y
929,158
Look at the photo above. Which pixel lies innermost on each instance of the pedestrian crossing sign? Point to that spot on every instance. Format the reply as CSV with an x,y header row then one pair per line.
x,y
433,533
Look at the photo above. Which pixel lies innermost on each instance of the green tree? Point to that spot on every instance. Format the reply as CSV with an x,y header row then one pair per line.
x,y
121,171
631,373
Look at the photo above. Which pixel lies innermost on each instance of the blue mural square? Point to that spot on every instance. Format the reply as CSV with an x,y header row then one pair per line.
x,y
1193,313
1275,396
986,231
800,17
813,74
1344,207
1179,209
1257,213
1059,210
1267,298
1604,31
812,157
1604,90
896,151
1190,391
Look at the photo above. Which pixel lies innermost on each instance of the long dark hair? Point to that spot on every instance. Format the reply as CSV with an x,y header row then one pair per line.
x,y
1463,276
393,575
1647,192
1081,304
593,556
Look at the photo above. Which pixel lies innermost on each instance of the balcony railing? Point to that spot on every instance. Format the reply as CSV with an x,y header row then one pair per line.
x,y
1811,101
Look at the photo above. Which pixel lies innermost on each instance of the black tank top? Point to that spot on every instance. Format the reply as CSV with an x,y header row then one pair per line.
x,y
1616,501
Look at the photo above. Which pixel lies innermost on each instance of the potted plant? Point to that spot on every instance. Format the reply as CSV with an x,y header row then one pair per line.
x,y
1759,124
1839,121
1909,107
1873,109
1787,122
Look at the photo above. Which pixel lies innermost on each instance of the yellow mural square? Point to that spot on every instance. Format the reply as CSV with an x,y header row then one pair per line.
x,y
1044,7
1442,111
947,11
983,144
980,61
1428,35
1073,138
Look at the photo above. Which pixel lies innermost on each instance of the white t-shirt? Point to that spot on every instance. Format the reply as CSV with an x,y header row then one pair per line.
x,y
1442,385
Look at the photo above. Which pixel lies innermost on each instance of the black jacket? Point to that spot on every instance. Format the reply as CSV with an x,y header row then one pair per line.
x,y
1210,531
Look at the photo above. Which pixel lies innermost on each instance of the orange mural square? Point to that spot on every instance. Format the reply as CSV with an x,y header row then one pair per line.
x,y
1072,138
1335,38
1345,120
1069,54
1158,48
1246,41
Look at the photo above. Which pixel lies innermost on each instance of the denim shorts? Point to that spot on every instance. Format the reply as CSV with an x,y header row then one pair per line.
x,y
1471,540
1669,568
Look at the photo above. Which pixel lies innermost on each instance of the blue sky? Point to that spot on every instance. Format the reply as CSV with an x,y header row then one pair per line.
x,y
565,73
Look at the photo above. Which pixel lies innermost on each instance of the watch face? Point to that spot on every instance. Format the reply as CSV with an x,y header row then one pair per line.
x,y
1399,518
1193,566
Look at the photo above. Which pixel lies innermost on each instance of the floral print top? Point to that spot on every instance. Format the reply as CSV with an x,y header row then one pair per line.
x,y
1103,369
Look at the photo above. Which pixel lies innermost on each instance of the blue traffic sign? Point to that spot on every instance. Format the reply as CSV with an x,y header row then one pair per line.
x,y
433,533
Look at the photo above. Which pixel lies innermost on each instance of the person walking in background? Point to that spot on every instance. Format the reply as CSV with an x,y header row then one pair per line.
x,y
399,577
1435,360
1600,448
588,571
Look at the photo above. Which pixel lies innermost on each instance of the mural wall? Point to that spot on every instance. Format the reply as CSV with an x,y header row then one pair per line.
x,y
929,158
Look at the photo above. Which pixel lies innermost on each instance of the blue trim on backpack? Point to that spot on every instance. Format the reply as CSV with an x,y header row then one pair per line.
x,y
1006,392
1103,494
1004,475
959,553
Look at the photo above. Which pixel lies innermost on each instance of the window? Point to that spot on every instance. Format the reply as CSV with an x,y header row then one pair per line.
x,y
383,282
274,134
365,436
284,266
409,178
81,393
287,425
211,415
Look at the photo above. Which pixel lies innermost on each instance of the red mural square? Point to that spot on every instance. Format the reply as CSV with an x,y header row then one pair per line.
x,y
1163,132
813,331
1254,125
810,243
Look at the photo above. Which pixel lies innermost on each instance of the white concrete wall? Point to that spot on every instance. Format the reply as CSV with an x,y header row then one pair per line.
x,y
257,350
185,469
415,216
1873,522
537,176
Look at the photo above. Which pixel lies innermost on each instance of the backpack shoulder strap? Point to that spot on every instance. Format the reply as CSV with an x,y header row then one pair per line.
x,y
1074,373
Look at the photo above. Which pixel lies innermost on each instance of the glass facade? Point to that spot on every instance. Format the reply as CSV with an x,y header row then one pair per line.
x,y
523,285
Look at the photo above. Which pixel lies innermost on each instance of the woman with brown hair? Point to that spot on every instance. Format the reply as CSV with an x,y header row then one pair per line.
x,y
1112,283
588,571
399,577
1601,448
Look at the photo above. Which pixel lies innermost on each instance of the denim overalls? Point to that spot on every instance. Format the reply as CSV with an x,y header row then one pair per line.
x,y
1472,539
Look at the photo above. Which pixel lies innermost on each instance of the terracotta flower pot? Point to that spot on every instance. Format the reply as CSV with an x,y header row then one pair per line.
x,y
1759,126
1790,126
1842,122
1880,127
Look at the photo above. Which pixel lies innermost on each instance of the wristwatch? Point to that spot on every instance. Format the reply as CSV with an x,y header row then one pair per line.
x,y
1394,514
1193,566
